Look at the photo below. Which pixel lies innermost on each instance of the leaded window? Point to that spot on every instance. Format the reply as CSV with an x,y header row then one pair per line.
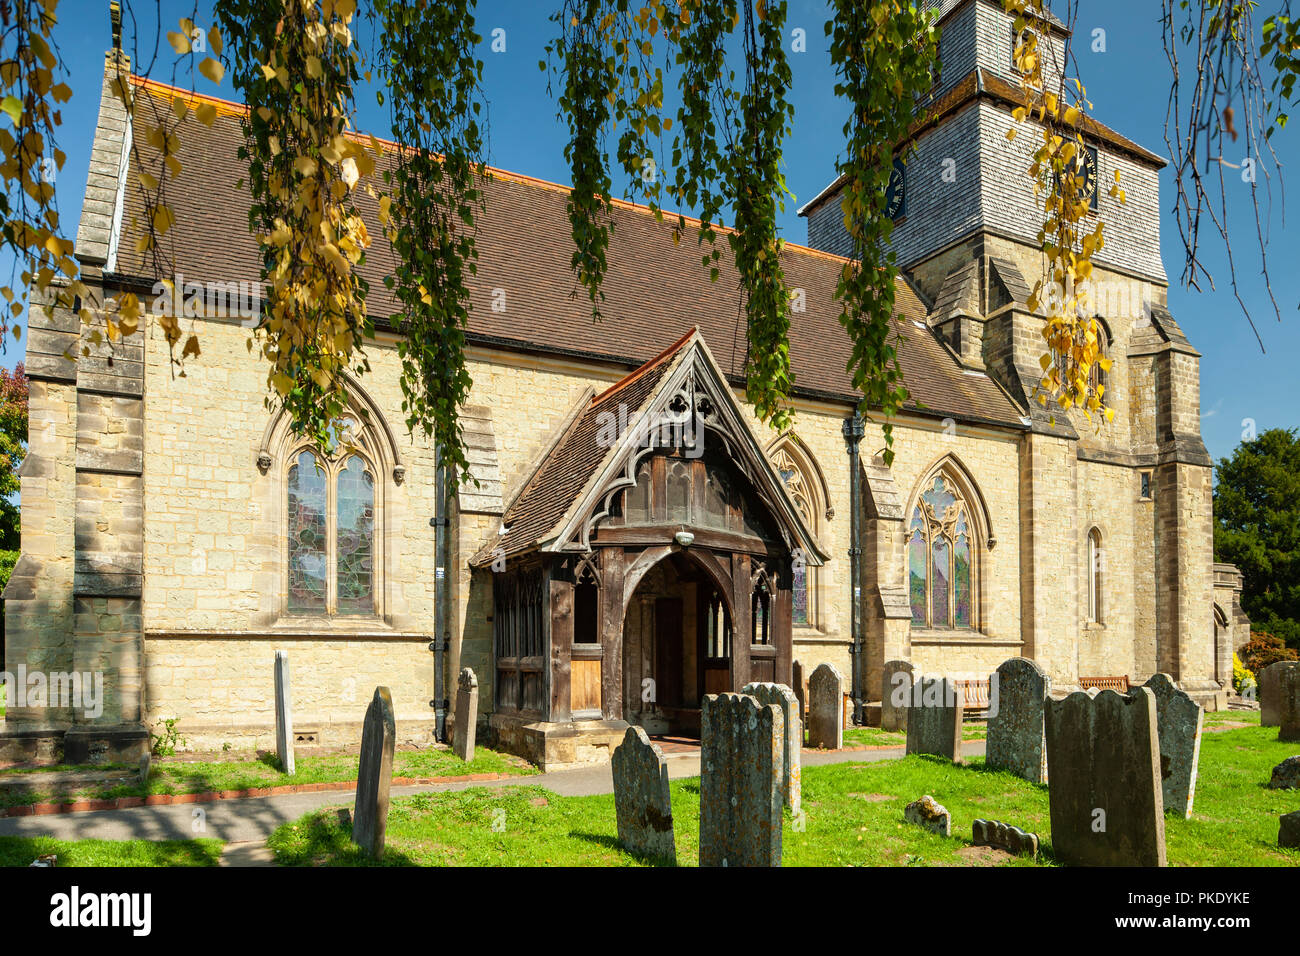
x,y
802,493
331,534
940,559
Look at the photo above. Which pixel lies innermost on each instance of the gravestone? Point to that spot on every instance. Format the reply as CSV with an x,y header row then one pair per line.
x,y
1286,775
1003,836
1018,692
283,713
462,735
792,770
1289,702
934,718
800,692
1103,761
826,708
740,781
374,774
930,814
1178,723
641,799
1288,830
895,693
1270,692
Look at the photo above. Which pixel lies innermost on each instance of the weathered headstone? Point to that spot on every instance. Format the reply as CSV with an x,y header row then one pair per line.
x,y
930,814
1003,836
792,770
895,694
1289,703
1288,830
641,798
1270,692
374,774
462,739
1018,692
1103,761
740,781
283,713
1286,775
934,718
1178,723
800,692
826,708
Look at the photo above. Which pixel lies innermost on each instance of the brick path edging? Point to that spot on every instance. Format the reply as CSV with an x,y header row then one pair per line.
x,y
211,796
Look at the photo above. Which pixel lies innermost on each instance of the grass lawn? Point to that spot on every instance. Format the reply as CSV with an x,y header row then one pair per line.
x,y
853,816
20,851
175,776
875,737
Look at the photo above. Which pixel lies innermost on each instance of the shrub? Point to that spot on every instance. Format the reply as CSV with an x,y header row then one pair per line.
x,y
1263,649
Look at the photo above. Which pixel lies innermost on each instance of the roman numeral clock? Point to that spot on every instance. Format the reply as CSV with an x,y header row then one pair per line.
x,y
896,192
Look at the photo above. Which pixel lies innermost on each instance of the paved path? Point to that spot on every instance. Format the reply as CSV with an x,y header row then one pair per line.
x,y
251,820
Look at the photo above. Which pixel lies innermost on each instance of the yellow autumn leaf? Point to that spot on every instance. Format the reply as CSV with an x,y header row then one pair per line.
x,y
206,113
212,70
180,42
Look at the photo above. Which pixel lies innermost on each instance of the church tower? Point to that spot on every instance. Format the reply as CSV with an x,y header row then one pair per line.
x,y
1128,502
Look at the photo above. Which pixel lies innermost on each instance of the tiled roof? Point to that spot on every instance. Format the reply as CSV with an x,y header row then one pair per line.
x,y
656,289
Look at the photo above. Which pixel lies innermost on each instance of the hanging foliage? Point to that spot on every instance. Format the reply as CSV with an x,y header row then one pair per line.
x,y
295,65
1219,124
884,56
1056,109
726,152
30,99
433,80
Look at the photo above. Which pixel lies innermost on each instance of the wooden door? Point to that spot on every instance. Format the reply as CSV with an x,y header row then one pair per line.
x,y
668,652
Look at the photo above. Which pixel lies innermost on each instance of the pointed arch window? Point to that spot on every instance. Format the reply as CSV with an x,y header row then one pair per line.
x,y
941,558
331,534
1096,563
802,487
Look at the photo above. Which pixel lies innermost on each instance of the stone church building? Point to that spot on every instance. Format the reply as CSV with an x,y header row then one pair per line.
x,y
634,538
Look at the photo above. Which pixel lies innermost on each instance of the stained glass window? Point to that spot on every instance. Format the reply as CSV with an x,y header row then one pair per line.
x,y
916,565
307,531
961,576
939,610
331,535
940,559
355,538
798,487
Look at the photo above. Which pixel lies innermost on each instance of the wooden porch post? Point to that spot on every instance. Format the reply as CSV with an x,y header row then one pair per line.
x,y
783,619
612,562
741,626
560,645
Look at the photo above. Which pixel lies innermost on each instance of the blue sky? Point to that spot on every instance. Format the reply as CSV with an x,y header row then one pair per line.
x,y
1128,85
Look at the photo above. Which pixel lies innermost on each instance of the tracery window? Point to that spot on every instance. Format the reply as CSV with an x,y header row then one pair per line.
x,y
940,558
802,492
331,532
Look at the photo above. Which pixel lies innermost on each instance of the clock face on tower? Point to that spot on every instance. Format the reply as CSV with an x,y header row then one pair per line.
x,y
895,194
1090,177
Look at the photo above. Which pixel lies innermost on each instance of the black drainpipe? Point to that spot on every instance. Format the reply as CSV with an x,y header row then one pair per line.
x,y
441,639
853,432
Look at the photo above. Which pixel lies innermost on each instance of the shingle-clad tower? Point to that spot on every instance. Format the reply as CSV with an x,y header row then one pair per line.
x,y
1129,501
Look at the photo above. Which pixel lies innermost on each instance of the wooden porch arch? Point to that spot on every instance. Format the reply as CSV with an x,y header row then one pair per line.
x,y
651,557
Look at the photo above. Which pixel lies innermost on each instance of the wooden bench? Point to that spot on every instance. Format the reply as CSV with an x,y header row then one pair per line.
x,y
1119,684
975,694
